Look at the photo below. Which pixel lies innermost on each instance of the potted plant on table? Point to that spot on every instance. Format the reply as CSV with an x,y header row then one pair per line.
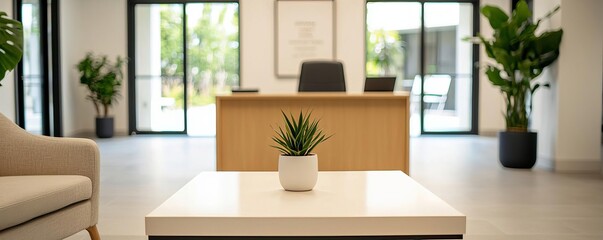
x,y
520,57
11,44
297,165
103,79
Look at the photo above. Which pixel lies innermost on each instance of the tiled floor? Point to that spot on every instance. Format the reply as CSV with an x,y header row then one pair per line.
x,y
139,173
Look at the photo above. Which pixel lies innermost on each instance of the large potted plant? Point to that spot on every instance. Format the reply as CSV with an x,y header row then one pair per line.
x,y
11,44
297,165
103,79
520,57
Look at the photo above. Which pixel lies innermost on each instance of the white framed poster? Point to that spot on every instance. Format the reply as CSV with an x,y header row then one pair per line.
x,y
305,31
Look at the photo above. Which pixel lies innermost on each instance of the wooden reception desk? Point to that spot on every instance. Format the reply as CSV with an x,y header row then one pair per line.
x,y
370,130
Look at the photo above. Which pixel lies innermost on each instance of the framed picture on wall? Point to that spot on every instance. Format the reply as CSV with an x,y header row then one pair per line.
x,y
305,31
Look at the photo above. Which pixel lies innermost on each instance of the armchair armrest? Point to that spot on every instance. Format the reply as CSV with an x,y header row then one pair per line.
x,y
22,153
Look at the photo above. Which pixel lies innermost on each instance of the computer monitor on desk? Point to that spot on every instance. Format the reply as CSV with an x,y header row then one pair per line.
x,y
379,84
245,90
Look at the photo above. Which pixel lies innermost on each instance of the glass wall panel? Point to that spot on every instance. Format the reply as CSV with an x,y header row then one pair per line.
x,y
393,45
441,93
32,66
212,61
177,78
448,67
159,67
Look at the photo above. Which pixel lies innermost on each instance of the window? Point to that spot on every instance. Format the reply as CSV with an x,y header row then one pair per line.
x,y
183,55
420,43
38,97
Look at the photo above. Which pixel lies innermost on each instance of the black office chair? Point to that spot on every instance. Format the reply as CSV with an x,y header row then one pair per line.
x,y
321,76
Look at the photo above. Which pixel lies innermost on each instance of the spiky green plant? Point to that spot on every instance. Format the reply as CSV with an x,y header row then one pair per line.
x,y
298,138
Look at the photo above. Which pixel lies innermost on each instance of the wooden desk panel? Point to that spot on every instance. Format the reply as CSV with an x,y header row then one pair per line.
x,y
370,130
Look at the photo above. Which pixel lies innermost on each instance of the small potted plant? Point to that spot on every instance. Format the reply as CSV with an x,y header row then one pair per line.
x,y
11,44
520,57
297,165
103,79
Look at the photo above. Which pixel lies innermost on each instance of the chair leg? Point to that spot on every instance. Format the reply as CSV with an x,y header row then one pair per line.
x,y
93,231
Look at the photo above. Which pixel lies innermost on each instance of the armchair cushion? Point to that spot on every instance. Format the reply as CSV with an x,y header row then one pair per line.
x,y
22,153
32,196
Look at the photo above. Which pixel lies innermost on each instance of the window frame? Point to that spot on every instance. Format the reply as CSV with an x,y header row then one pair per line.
x,y
475,58
50,48
131,27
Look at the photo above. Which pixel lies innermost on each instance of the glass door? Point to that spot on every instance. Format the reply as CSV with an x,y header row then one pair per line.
x,y
212,61
420,44
32,74
394,49
38,74
185,54
159,68
448,68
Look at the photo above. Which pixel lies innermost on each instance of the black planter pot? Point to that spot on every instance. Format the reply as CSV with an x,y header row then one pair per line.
x,y
104,127
517,149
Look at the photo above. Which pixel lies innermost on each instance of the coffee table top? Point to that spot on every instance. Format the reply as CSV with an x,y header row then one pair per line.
x,y
254,204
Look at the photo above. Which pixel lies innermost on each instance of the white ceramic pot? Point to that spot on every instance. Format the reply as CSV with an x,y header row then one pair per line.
x,y
298,173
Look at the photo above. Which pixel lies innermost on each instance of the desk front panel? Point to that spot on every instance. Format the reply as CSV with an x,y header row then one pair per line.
x,y
370,132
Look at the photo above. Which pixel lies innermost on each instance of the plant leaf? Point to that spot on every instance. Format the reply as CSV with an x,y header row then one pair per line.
x,y
521,14
495,15
11,44
487,46
547,47
300,135
102,78
493,74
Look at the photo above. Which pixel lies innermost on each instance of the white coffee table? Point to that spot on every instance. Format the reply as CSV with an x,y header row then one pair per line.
x,y
361,204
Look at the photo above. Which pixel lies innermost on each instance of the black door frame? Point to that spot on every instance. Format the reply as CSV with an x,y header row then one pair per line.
x,y
132,128
475,58
131,15
51,77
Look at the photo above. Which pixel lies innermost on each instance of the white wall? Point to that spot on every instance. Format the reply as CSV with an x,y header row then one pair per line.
x,y
258,46
351,41
100,27
7,91
545,100
579,78
491,103
570,121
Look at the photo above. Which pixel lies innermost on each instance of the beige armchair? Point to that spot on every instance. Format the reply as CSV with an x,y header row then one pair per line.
x,y
49,186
